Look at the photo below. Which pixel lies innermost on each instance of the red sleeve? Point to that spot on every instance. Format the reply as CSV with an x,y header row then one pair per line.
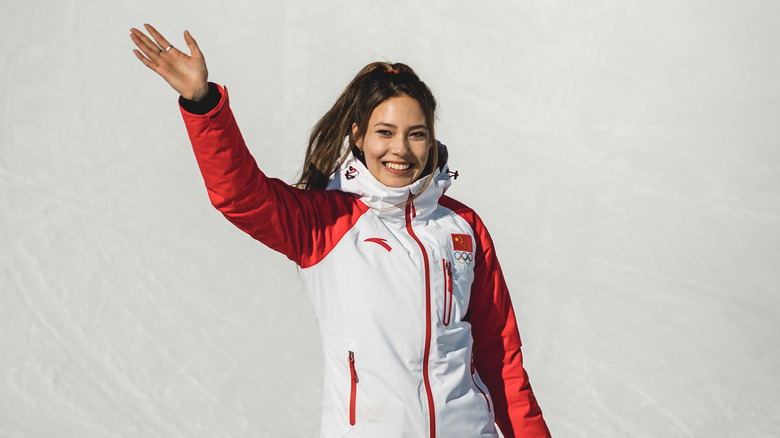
x,y
304,225
497,354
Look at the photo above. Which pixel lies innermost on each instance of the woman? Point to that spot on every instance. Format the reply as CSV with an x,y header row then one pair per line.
x,y
417,327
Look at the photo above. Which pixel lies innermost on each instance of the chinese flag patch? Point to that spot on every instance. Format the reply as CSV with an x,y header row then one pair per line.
x,y
462,242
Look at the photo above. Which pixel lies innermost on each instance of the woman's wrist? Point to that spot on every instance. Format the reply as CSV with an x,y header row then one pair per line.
x,y
207,102
199,94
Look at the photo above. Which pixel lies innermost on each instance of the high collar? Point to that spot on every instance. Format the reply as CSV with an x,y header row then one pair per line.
x,y
389,202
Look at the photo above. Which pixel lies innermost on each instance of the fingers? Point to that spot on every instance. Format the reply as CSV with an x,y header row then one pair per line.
x,y
143,59
150,48
147,46
162,43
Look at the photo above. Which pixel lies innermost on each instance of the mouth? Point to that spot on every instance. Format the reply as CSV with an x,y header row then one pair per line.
x,y
399,167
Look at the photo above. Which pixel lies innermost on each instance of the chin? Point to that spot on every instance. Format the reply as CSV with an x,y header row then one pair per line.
x,y
397,182
395,185
390,179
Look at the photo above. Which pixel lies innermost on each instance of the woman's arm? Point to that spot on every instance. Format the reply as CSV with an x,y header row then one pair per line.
x,y
497,349
498,357
302,224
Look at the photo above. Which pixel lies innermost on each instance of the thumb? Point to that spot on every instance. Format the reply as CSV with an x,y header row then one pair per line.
x,y
192,44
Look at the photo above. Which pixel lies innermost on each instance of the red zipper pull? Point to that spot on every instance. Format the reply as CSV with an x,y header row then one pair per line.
x,y
353,388
352,371
449,276
447,266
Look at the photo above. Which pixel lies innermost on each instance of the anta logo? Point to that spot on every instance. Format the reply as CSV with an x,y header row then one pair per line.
x,y
462,248
351,173
380,242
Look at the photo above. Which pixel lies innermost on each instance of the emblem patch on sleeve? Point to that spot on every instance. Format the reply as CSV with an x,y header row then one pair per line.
x,y
463,248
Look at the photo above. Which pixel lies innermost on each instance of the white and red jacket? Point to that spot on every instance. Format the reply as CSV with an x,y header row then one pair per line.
x,y
417,327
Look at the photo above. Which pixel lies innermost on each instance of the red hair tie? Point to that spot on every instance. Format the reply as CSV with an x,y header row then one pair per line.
x,y
392,70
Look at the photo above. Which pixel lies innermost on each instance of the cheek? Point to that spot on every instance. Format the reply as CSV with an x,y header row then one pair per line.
x,y
423,154
371,150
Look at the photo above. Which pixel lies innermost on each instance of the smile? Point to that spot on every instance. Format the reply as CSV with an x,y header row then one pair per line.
x,y
397,166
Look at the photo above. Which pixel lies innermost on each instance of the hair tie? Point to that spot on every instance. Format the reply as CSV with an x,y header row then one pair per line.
x,y
392,70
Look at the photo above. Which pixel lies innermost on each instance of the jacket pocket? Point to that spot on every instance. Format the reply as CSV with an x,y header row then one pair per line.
x,y
479,388
447,310
353,388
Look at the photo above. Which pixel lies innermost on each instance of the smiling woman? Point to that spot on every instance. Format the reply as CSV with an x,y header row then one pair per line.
x,y
396,147
420,341
385,104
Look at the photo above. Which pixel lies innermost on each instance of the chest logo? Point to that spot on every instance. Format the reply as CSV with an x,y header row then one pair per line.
x,y
380,242
463,248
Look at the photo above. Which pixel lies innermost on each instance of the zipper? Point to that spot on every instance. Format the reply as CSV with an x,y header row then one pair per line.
x,y
487,400
353,388
410,213
447,268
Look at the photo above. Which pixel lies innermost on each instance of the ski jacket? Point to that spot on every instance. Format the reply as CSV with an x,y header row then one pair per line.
x,y
418,332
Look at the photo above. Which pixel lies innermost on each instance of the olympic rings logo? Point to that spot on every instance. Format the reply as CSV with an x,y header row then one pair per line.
x,y
464,257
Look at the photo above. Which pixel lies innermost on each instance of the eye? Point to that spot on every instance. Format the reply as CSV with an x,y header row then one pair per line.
x,y
419,134
384,132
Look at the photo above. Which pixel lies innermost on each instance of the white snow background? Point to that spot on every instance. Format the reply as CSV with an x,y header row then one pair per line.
x,y
625,156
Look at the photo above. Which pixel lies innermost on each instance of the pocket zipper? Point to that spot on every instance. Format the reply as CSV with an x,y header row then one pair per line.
x,y
353,388
447,268
487,400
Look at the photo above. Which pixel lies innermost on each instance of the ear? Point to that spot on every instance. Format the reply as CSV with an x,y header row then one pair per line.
x,y
358,141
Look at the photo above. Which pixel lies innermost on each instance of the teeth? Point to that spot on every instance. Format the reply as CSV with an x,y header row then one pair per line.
x,y
396,166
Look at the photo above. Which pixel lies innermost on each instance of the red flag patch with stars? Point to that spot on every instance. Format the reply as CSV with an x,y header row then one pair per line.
x,y
462,242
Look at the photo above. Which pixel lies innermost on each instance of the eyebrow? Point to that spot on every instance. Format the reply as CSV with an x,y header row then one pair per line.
x,y
390,125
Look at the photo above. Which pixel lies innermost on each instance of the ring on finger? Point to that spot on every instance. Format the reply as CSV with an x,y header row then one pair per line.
x,y
167,49
159,51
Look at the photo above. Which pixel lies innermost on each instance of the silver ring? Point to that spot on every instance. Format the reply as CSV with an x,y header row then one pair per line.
x,y
168,48
159,51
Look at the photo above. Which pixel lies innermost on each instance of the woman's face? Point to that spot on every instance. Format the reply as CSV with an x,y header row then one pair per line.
x,y
396,143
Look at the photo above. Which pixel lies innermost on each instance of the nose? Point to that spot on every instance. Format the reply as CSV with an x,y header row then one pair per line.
x,y
401,146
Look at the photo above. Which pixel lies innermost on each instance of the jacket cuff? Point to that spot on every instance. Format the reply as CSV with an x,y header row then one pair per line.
x,y
204,106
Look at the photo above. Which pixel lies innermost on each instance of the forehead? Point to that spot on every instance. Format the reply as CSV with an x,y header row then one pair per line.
x,y
400,110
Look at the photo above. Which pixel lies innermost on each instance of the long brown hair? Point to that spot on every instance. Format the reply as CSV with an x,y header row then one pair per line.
x,y
374,84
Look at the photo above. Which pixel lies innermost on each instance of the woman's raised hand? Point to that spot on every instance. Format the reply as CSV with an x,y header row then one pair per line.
x,y
186,74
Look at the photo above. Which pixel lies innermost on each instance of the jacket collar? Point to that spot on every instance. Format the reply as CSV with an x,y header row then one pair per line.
x,y
353,177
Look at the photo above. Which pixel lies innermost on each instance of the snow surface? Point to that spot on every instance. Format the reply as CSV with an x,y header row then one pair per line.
x,y
625,156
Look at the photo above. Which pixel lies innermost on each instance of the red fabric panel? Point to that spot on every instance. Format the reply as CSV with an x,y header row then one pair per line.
x,y
304,225
497,354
